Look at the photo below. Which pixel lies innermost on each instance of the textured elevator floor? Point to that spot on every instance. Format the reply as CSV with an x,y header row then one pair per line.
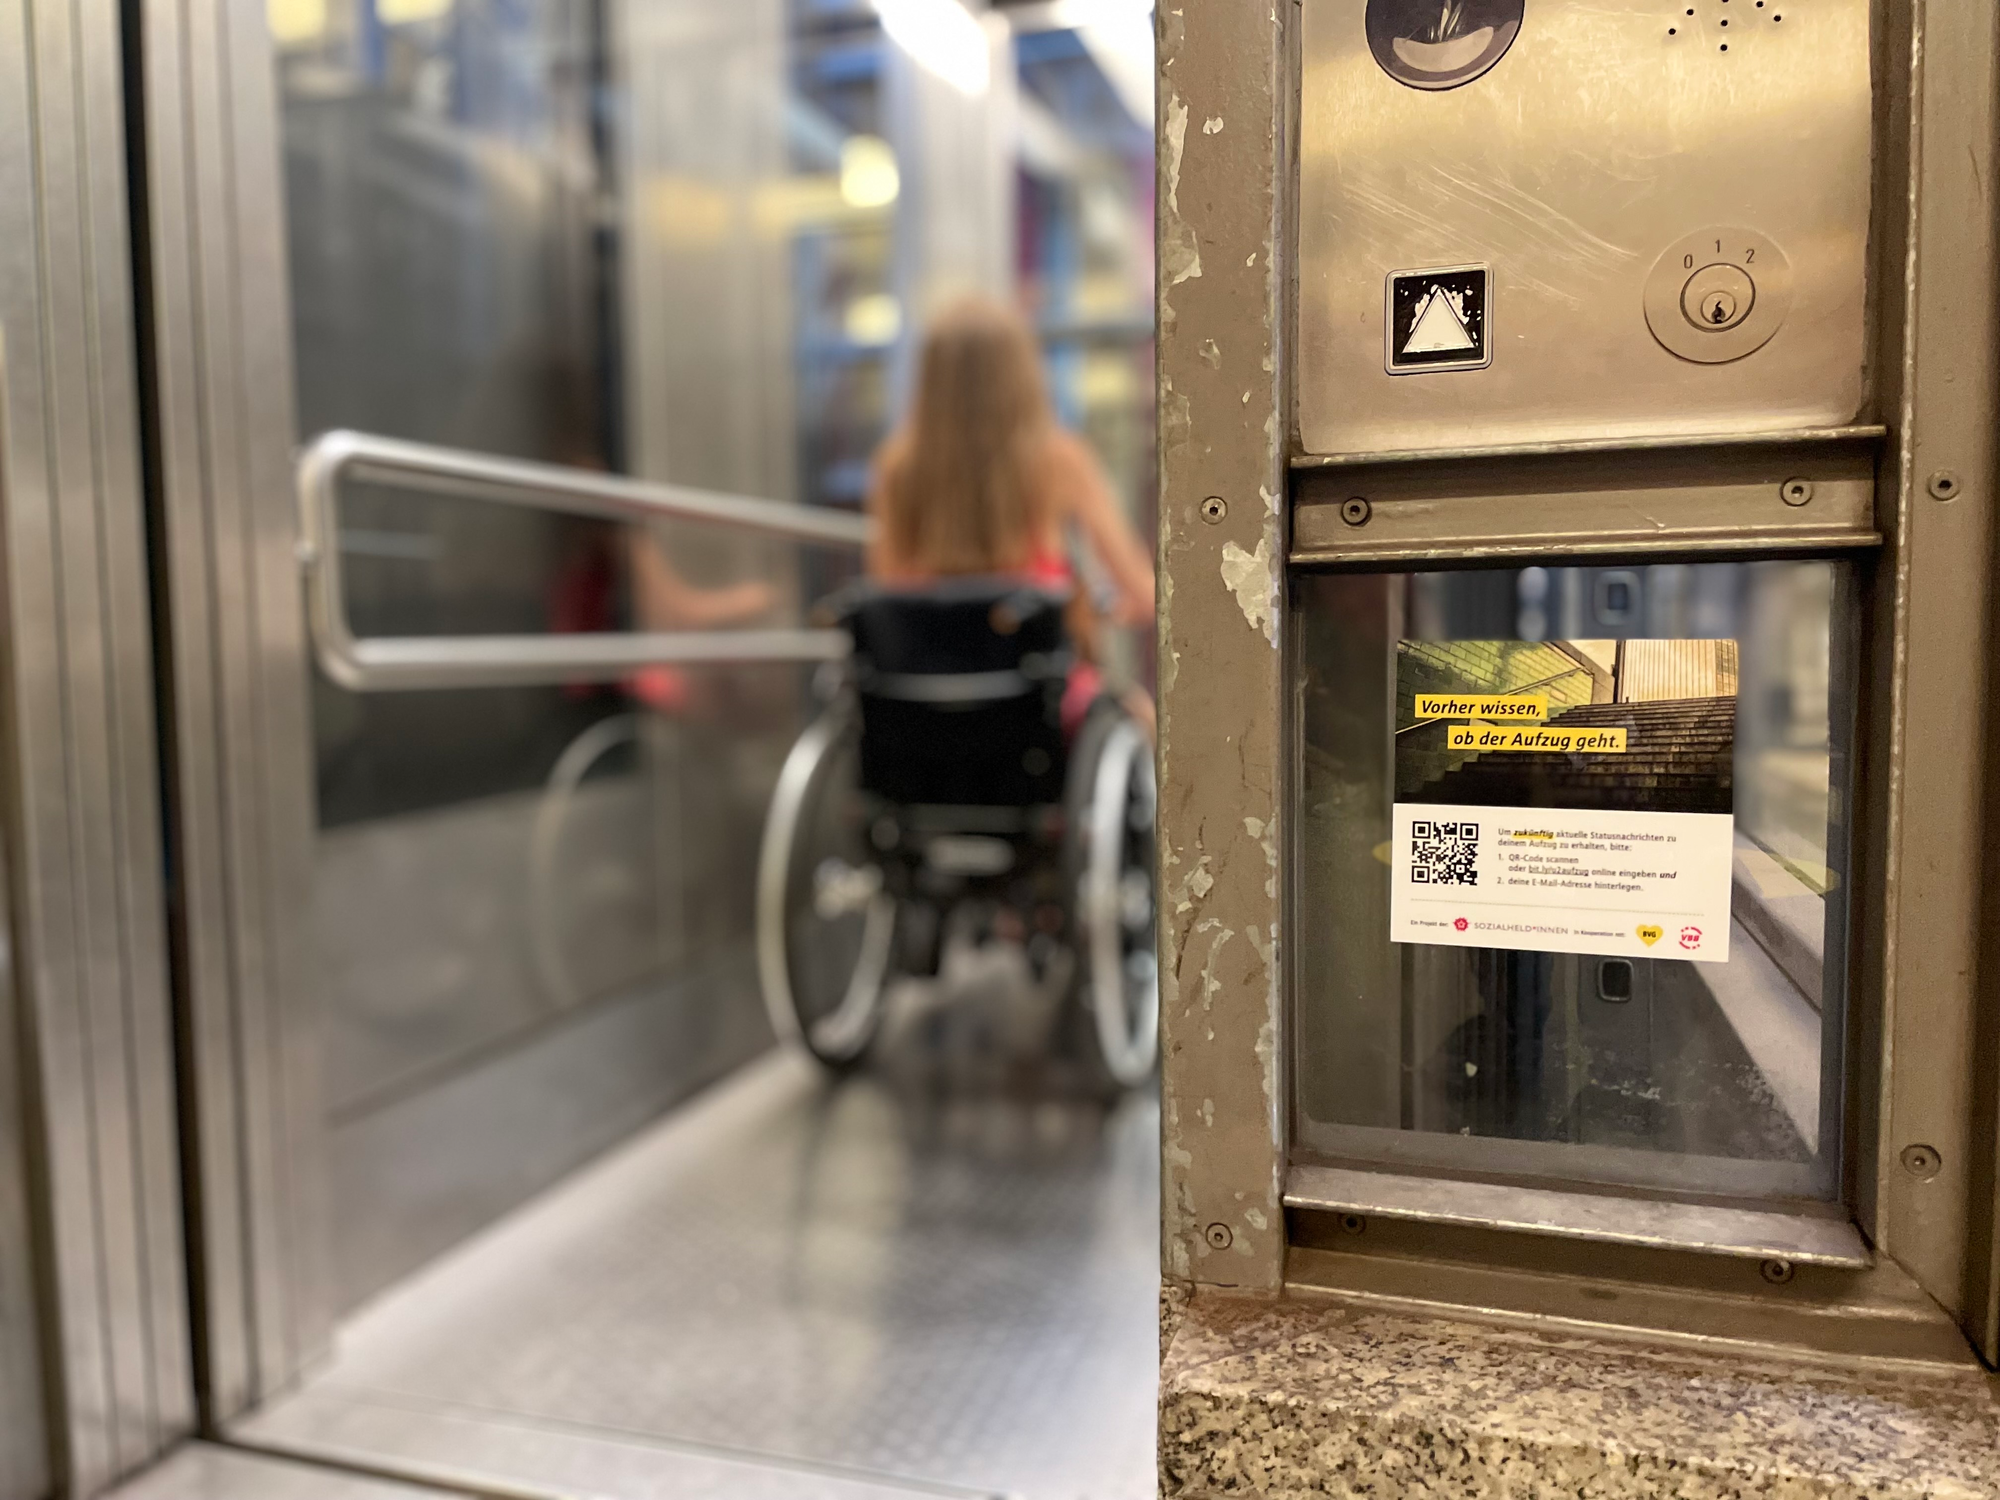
x,y
788,1288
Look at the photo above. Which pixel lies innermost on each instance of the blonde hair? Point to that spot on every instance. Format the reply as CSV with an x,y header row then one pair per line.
x,y
958,488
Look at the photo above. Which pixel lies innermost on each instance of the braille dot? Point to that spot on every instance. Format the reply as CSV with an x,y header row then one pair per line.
x,y
1725,23
1725,46
1671,31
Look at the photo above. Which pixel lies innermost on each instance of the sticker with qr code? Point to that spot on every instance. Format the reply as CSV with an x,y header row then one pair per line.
x,y
1565,796
1444,852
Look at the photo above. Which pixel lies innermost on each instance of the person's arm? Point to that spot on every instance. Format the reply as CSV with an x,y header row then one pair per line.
x,y
667,601
1086,497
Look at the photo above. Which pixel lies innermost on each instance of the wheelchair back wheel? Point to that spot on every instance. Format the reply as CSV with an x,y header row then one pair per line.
x,y
825,924
1110,820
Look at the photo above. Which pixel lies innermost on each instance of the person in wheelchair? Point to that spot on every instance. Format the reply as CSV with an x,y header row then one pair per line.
x,y
973,771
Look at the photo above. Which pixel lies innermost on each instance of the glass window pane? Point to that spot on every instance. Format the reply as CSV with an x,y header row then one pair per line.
x,y
1605,808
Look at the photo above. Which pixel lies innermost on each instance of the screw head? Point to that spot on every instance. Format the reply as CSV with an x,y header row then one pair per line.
x,y
1353,1223
1795,491
1214,508
1922,1162
1219,1237
1777,1272
1943,485
1355,511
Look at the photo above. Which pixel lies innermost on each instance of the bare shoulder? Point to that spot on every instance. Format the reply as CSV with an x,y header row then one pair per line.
x,y
1069,466
1064,451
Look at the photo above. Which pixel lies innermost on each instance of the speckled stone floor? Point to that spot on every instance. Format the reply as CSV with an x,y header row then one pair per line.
x,y
1289,1399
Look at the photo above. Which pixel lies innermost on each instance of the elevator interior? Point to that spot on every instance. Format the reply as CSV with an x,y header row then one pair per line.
x,y
683,245
515,1027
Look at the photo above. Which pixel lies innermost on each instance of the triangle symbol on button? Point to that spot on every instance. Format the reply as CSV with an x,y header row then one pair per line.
x,y
1437,327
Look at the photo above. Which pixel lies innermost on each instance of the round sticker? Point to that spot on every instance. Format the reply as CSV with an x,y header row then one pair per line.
x,y
1440,44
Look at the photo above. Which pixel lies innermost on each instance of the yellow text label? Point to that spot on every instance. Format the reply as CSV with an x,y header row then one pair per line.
x,y
1495,708
1541,737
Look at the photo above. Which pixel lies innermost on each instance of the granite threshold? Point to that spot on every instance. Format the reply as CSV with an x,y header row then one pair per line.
x,y
1284,1397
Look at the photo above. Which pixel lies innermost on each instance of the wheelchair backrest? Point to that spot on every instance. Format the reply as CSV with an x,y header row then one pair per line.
x,y
961,684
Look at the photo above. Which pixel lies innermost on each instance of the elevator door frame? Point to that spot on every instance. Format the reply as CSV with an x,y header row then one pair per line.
x,y
96,1373
1921,1053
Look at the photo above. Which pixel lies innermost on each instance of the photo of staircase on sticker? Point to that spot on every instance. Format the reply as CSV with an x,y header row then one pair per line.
x,y
1668,706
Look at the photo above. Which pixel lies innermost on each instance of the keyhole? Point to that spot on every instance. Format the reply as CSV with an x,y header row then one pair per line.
x,y
1719,314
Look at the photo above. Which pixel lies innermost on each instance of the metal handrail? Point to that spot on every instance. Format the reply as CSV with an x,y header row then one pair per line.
x,y
403,663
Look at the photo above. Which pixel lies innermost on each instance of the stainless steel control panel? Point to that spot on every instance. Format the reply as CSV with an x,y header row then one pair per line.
x,y
1534,220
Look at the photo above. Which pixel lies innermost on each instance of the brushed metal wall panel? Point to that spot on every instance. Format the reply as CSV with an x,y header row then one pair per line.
x,y
79,796
1608,131
235,686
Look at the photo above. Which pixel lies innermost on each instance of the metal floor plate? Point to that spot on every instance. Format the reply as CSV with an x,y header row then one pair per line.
x,y
204,1471
788,1288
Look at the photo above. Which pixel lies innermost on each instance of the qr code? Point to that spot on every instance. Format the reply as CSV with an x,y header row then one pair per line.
x,y
1444,853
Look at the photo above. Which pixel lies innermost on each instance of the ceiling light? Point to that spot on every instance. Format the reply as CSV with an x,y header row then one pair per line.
x,y
944,38
868,176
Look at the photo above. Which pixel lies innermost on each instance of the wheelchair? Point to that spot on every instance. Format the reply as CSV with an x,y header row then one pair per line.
x,y
937,792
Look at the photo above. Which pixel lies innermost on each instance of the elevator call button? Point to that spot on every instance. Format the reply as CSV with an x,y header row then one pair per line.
x,y
1718,295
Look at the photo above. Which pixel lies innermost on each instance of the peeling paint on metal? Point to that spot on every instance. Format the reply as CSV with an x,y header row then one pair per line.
x,y
1261,947
1212,125
1199,883
1249,576
1267,1054
1254,1217
1211,983
1176,417
1211,354
1180,251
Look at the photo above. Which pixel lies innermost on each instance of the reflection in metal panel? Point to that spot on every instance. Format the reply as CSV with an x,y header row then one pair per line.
x,y
550,239
705,217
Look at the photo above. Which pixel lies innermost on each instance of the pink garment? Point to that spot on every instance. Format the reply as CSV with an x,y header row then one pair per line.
x,y
1083,688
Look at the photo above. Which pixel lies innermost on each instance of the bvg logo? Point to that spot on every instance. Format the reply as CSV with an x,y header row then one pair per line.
x,y
1649,934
